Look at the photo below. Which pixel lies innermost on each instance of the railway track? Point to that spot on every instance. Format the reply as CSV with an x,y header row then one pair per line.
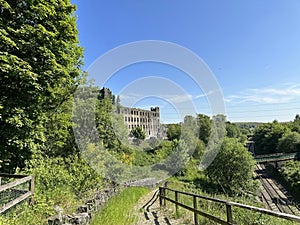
x,y
274,194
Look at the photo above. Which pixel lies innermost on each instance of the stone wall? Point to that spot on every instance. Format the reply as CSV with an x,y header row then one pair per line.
x,y
86,211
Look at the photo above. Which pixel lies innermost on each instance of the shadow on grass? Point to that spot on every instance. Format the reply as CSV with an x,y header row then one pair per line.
x,y
207,186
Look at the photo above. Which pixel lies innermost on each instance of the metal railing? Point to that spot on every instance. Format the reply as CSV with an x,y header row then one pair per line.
x,y
276,157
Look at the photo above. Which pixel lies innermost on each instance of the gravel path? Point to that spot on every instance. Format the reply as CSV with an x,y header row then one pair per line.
x,y
148,211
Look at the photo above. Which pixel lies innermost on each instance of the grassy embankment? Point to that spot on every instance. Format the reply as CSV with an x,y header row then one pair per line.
x,y
240,216
119,208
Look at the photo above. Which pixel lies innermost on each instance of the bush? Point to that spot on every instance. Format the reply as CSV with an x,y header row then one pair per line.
x,y
233,168
290,172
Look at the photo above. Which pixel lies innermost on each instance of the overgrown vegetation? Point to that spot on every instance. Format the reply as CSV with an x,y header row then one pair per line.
x,y
233,168
290,173
277,137
240,216
62,182
40,70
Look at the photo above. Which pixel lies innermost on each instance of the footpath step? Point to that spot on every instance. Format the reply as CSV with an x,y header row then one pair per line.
x,y
148,212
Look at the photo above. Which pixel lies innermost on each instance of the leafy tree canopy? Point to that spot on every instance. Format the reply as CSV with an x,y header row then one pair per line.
x,y
233,167
40,67
138,133
174,131
290,142
266,137
204,124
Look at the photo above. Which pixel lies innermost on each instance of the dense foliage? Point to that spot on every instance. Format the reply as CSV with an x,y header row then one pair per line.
x,y
289,142
290,172
138,133
40,64
40,68
63,182
233,168
277,137
174,131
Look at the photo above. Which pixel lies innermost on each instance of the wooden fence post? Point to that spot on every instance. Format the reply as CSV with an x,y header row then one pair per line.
x,y
31,189
160,196
176,206
164,194
229,213
195,207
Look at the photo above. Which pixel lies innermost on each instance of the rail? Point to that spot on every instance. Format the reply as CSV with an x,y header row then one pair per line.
x,y
229,213
10,196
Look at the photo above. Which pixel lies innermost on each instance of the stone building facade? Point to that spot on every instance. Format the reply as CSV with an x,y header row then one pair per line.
x,y
148,120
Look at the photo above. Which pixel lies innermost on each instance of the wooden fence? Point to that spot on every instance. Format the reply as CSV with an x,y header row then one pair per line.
x,y
10,189
195,209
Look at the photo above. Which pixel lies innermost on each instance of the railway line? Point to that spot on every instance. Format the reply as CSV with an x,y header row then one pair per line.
x,y
275,195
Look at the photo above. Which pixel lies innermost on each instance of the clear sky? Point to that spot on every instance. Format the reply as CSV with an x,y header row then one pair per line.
x,y
251,47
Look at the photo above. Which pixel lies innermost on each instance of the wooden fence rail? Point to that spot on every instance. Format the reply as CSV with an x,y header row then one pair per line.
x,y
21,179
163,198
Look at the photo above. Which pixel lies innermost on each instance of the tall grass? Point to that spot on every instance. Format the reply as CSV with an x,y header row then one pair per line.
x,y
119,208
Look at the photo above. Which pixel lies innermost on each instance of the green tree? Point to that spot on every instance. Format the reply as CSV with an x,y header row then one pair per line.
x,y
232,130
107,122
190,133
199,150
40,67
266,137
138,133
290,172
176,161
295,126
233,167
290,142
174,131
204,124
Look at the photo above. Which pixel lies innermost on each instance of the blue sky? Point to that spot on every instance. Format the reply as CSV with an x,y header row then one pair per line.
x,y
251,47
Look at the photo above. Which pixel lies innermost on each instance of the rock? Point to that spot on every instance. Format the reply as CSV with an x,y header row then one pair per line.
x,y
80,219
55,220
